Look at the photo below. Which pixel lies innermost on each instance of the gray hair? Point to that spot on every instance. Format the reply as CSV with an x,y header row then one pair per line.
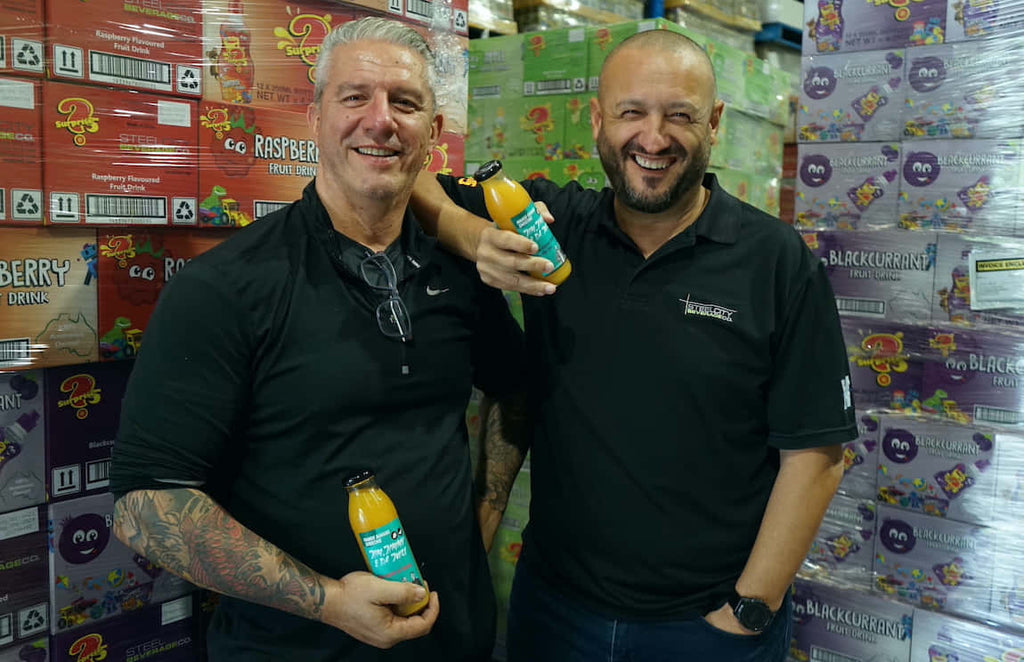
x,y
373,28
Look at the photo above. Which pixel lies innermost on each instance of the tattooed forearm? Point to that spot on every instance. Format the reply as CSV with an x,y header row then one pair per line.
x,y
187,533
505,438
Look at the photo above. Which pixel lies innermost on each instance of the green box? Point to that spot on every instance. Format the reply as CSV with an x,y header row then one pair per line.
x,y
577,138
496,67
555,62
766,90
532,167
536,127
748,143
492,128
730,68
760,191
587,172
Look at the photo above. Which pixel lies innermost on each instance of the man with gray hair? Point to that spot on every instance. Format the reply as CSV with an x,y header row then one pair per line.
x,y
340,339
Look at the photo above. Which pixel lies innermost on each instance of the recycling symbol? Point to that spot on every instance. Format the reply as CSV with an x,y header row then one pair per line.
x,y
188,80
28,56
32,620
27,205
183,212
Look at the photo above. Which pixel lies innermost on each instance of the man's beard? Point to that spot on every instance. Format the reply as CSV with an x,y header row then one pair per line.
x,y
614,163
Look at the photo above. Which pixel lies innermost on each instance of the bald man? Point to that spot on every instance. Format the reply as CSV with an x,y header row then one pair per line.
x,y
691,388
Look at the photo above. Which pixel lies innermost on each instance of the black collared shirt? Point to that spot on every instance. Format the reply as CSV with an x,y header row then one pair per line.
x,y
665,388
265,380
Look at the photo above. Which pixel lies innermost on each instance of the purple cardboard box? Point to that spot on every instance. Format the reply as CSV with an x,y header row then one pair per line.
x,y
23,567
1007,604
981,19
852,25
941,638
30,651
934,563
851,97
883,275
975,376
839,624
93,576
22,449
843,548
847,186
952,301
886,363
938,469
83,408
860,459
960,185
159,633
961,91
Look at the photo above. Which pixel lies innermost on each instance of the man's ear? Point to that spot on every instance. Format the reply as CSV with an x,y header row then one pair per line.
x,y
595,117
716,117
313,118
436,126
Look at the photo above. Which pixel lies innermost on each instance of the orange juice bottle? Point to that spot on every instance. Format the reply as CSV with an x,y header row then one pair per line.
x,y
381,537
511,208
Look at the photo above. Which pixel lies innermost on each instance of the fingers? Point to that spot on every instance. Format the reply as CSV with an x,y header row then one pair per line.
x,y
545,213
505,260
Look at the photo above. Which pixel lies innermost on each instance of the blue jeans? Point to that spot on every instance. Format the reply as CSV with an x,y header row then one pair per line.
x,y
544,626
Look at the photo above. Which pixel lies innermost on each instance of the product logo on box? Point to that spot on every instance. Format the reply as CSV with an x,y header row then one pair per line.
x,y
603,37
538,122
536,44
89,648
897,536
84,538
883,353
899,446
807,606
230,138
819,83
80,119
83,392
437,160
815,170
303,37
926,74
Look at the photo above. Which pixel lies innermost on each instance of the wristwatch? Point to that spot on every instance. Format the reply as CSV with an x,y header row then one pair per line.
x,y
753,614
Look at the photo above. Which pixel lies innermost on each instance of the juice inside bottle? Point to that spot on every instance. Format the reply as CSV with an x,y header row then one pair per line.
x,y
381,537
511,208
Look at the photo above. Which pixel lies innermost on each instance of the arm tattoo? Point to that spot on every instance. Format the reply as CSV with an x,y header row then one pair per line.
x,y
186,532
505,439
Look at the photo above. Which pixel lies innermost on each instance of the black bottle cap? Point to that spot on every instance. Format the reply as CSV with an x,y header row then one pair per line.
x,y
360,476
487,170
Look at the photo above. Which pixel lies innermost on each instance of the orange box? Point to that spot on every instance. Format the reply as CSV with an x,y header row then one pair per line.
x,y
21,144
448,156
133,269
114,157
252,161
21,37
150,45
48,297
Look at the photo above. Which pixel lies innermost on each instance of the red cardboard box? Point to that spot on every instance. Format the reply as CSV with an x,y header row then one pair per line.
x,y
21,37
47,297
252,161
432,14
448,156
152,45
115,157
133,269
21,144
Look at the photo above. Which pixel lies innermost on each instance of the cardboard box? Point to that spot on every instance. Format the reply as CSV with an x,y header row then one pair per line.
x,y
952,300
160,633
22,440
30,651
940,637
118,158
536,128
21,37
555,62
843,548
749,143
21,147
441,16
24,611
151,45
133,269
982,19
252,161
93,577
958,91
833,623
48,294
851,97
495,67
83,409
847,187
841,25
975,376
448,156
886,362
885,275
934,563
938,469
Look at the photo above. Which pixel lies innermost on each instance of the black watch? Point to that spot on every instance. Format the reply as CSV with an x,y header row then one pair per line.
x,y
753,614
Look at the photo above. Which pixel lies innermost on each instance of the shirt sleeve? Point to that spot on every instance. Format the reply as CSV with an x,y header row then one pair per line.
x,y
188,389
809,399
499,353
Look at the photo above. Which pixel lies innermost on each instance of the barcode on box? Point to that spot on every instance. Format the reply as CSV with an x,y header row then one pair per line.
x,y
125,209
6,629
3,204
261,208
109,68
871,307
486,92
3,52
998,415
554,86
15,352
419,9
97,474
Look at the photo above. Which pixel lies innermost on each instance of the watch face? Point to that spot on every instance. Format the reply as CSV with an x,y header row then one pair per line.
x,y
753,614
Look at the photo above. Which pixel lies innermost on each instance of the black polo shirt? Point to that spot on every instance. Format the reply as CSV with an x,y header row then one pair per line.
x,y
664,389
265,380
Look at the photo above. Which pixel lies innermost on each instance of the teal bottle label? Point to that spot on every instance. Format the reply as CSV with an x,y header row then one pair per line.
x,y
389,554
531,225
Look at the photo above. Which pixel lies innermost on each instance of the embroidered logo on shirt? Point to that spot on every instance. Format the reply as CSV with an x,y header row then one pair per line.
x,y
433,292
847,397
707,310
